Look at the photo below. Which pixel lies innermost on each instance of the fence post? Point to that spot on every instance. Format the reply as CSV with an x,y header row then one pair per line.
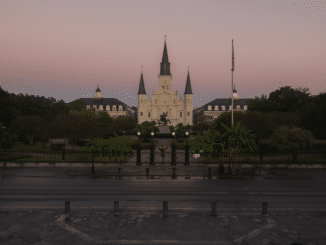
x,y
214,209
116,208
138,155
152,154
186,154
67,207
165,209
264,210
173,154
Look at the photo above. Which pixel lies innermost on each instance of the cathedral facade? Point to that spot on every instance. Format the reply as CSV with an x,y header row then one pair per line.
x,y
165,101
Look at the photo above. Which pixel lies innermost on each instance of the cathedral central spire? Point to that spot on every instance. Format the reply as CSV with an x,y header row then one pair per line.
x,y
165,64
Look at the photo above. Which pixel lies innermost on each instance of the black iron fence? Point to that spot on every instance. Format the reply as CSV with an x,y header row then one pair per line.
x,y
152,157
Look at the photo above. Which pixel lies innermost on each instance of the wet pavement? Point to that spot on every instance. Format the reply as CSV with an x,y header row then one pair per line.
x,y
93,227
44,228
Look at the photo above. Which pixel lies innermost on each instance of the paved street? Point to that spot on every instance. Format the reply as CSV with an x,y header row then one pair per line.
x,y
32,210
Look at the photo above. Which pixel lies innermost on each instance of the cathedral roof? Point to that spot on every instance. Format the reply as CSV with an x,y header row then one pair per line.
x,y
141,89
165,64
188,89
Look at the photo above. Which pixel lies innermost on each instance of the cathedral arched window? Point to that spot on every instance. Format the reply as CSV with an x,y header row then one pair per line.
x,y
188,113
149,114
141,113
180,113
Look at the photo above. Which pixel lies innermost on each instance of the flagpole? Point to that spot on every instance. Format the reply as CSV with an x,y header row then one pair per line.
x,y
232,82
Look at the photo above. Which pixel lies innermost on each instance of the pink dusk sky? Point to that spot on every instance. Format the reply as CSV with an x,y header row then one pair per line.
x,y
65,48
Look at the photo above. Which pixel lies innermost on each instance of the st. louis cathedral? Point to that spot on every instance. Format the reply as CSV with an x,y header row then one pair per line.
x,y
165,101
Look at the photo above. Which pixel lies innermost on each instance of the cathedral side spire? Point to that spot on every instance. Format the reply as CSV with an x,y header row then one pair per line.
x,y
188,89
165,64
141,89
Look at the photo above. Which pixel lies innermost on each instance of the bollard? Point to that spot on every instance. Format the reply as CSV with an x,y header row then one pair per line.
x,y
116,208
264,211
147,172
174,174
209,173
165,209
214,209
67,207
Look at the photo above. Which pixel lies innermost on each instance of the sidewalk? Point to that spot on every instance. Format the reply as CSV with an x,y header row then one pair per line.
x,y
251,228
45,228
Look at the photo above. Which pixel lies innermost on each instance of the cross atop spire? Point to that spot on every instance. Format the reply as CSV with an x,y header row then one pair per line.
x,y
165,37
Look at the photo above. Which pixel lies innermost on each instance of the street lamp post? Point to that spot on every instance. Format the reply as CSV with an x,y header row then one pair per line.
x,y
173,153
138,150
187,150
152,152
93,171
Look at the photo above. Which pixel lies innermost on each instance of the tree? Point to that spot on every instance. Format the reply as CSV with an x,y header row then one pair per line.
x,y
287,99
292,140
29,126
260,104
226,119
180,130
7,138
229,140
145,130
124,123
313,116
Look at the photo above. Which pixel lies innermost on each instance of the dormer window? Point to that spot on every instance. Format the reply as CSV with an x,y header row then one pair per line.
x,y
238,107
223,107
216,108
120,107
245,107
101,107
209,107
230,107
114,108
107,107
88,107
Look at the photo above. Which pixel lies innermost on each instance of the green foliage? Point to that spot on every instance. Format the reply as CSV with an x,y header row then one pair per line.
x,y
29,126
118,147
291,140
7,139
287,99
226,119
180,130
313,116
145,130
231,140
